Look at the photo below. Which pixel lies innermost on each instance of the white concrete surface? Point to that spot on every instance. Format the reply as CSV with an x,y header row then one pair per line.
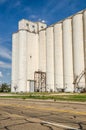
x,y
15,62
42,51
58,52
78,47
67,55
50,59
32,56
22,61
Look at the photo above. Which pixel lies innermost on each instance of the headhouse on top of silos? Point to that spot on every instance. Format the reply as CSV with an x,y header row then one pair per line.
x,y
50,58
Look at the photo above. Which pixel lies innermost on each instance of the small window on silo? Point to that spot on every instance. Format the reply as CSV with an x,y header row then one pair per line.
x,y
30,57
33,26
42,27
27,24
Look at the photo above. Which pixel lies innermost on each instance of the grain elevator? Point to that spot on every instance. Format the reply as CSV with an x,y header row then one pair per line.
x,y
50,58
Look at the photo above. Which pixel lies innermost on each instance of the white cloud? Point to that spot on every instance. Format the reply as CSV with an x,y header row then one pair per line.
x,y
5,53
33,17
43,21
7,38
1,75
2,1
5,65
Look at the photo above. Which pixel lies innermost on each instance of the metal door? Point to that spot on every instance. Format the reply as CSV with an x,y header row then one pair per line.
x,y
40,81
31,85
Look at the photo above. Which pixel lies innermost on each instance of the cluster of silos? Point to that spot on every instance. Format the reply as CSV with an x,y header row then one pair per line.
x,y
58,50
66,53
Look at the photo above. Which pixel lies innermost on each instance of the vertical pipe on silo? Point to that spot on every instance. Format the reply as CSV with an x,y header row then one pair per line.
x,y
84,26
22,60
68,55
15,62
42,51
58,56
49,59
78,48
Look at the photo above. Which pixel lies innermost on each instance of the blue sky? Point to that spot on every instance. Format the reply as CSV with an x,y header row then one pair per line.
x,y
11,11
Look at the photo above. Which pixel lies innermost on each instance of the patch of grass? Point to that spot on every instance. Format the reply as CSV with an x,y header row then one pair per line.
x,y
51,96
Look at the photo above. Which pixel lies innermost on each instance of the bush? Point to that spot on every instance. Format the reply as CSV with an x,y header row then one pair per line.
x,y
5,88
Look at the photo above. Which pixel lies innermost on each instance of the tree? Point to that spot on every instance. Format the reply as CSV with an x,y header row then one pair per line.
x,y
5,88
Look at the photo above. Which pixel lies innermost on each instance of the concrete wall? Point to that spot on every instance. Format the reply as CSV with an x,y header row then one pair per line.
x,y
27,25
15,48
67,55
41,26
31,26
78,47
58,53
49,59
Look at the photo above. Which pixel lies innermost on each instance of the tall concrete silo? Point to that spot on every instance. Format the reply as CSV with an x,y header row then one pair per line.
x,y
22,60
15,61
84,20
78,47
68,55
32,57
58,53
42,51
50,59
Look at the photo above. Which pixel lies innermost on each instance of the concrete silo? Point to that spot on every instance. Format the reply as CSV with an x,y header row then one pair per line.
x,y
22,77
15,62
50,59
32,59
84,21
58,53
78,48
84,18
67,55
42,51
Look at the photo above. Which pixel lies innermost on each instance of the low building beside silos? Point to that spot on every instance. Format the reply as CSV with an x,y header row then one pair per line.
x,y
50,58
